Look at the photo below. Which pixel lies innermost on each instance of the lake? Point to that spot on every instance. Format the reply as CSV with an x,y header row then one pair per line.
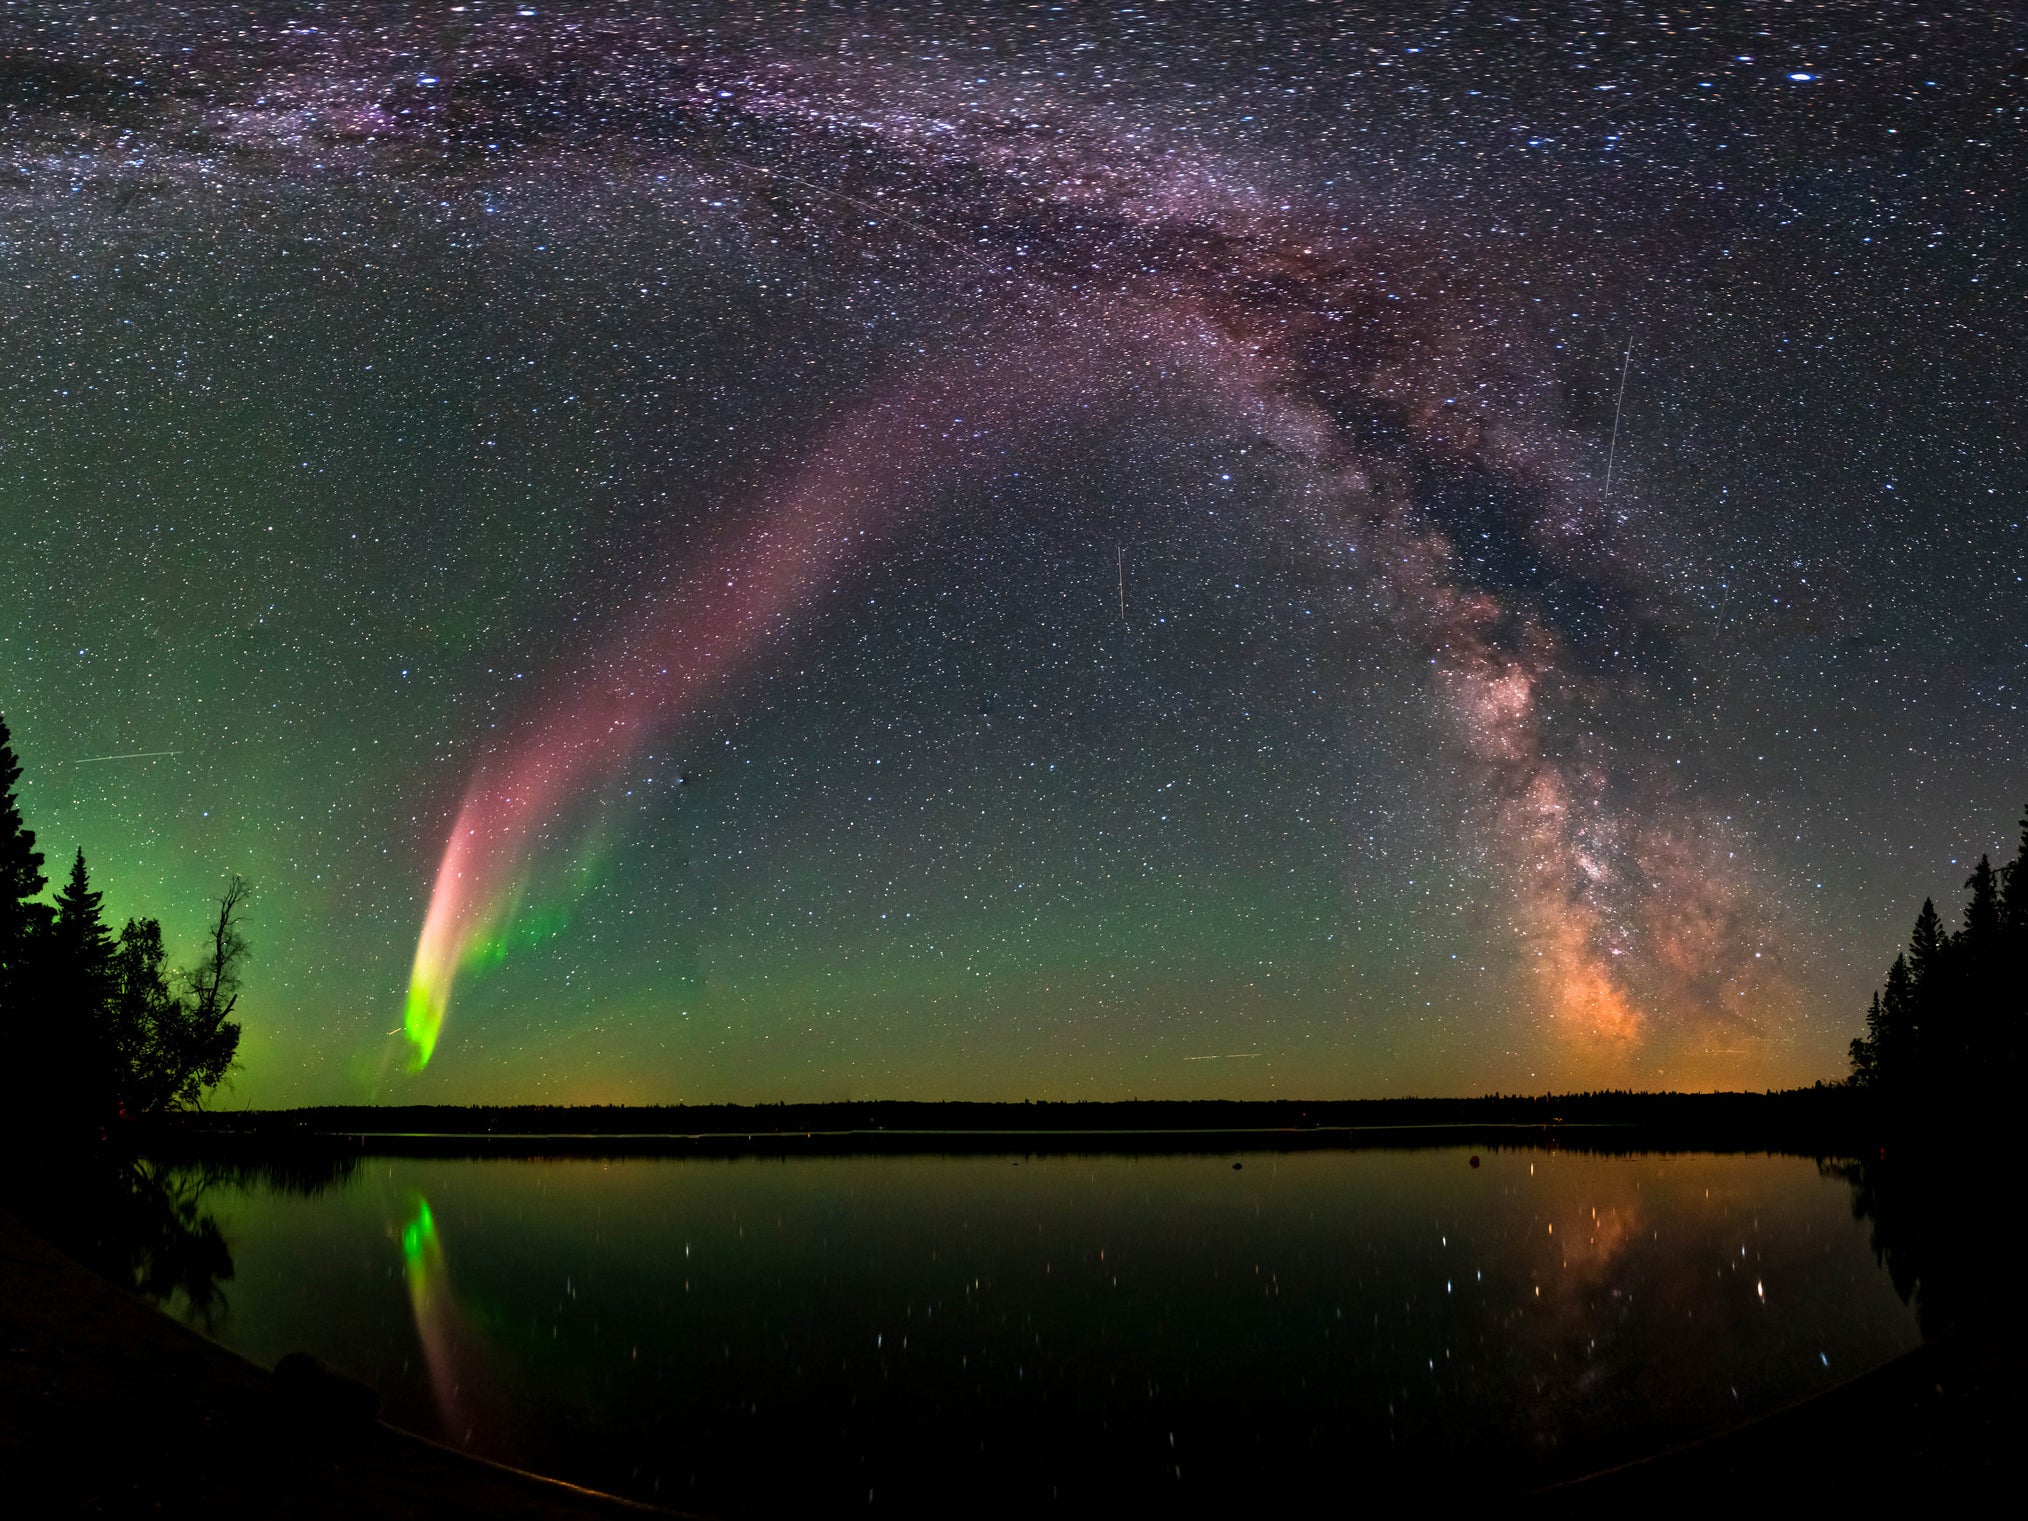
x,y
764,1336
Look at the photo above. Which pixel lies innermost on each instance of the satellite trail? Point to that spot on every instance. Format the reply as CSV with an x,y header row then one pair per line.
x,y
1612,451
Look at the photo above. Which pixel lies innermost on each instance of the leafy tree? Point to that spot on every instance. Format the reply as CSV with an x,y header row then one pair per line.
x,y
144,1007
175,1045
199,1049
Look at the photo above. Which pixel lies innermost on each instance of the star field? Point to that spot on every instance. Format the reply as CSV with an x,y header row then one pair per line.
x,y
1002,551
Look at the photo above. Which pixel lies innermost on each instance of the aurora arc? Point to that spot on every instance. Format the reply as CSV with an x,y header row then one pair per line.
x,y
724,613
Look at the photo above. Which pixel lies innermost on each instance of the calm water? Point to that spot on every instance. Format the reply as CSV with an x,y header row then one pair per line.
x,y
759,1336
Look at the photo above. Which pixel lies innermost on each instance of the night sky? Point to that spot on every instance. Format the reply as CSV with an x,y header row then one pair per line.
x,y
733,553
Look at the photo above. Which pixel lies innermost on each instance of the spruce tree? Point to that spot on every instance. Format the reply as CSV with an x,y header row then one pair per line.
x,y
1982,914
1929,947
1866,1049
78,985
2010,980
1951,1026
2013,892
1978,955
1895,1045
21,879
82,945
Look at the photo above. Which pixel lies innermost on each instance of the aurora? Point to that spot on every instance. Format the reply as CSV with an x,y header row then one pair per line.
x,y
453,1354
701,627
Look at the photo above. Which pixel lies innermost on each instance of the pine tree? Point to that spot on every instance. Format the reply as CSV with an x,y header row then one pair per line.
x,y
2010,981
2013,892
1982,915
1866,1049
78,984
1895,1045
1951,1027
83,946
1930,992
1928,946
21,879
1978,955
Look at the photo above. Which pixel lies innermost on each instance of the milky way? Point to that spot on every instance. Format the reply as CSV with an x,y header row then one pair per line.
x,y
795,389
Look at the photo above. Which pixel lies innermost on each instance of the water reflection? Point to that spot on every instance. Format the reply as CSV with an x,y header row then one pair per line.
x,y
453,1352
147,1225
1098,1329
1935,1228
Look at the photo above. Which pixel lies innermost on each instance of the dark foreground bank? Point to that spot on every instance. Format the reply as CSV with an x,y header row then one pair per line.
x,y
1925,1429
108,1407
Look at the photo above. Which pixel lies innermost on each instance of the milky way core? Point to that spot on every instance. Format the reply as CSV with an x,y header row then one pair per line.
x,y
996,552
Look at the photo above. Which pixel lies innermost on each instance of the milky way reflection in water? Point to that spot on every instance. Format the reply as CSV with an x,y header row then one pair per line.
x,y
762,1336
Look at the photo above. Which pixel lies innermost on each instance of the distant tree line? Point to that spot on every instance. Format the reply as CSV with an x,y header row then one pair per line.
x,y
1950,1023
98,1027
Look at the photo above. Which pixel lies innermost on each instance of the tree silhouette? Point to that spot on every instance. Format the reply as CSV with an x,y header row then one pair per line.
x,y
193,1039
1948,1026
1927,947
146,1014
22,920
1866,1048
1898,1045
2013,883
1977,956
81,942
100,1026
1982,914
2011,979
171,1047
77,991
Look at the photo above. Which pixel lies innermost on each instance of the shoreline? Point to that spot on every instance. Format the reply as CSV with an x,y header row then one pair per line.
x,y
1584,1139
1819,1122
